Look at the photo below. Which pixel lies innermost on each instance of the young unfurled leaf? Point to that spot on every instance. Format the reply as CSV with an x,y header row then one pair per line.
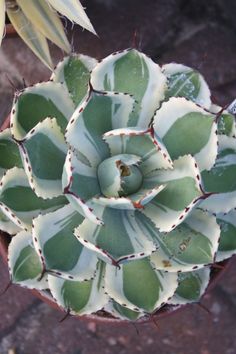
x,y
85,129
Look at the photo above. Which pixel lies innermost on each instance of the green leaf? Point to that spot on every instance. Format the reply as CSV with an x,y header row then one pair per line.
x,y
9,153
59,249
182,190
80,184
119,175
192,285
138,286
226,121
135,201
221,180
24,263
191,245
122,312
6,225
80,297
43,153
2,19
142,143
74,11
34,104
227,245
186,82
85,129
132,72
19,202
30,35
74,73
186,128
123,235
46,21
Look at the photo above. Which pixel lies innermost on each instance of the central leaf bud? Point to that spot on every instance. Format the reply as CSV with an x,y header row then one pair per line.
x,y
120,175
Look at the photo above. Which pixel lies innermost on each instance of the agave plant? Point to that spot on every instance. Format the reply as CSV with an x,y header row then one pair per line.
x,y
118,185
38,20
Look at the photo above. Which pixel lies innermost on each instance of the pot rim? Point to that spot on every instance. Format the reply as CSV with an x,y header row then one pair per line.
x,y
166,310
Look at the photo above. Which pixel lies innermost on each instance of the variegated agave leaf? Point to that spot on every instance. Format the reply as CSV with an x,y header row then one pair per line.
x,y
2,19
118,184
36,21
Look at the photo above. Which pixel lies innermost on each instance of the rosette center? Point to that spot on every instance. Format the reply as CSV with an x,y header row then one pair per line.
x,y
120,175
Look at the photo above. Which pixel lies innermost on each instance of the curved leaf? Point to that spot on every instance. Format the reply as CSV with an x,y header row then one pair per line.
x,y
9,153
24,263
132,72
226,122
6,225
85,129
192,285
191,245
19,202
142,143
80,184
123,236
74,73
138,286
221,180
186,128
43,152
184,81
182,190
135,201
44,100
61,253
227,245
80,298
122,312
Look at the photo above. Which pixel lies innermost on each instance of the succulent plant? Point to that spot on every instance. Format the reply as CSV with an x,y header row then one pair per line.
x,y
118,185
38,20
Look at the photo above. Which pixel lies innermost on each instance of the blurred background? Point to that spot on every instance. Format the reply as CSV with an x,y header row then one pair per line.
x,y
198,33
